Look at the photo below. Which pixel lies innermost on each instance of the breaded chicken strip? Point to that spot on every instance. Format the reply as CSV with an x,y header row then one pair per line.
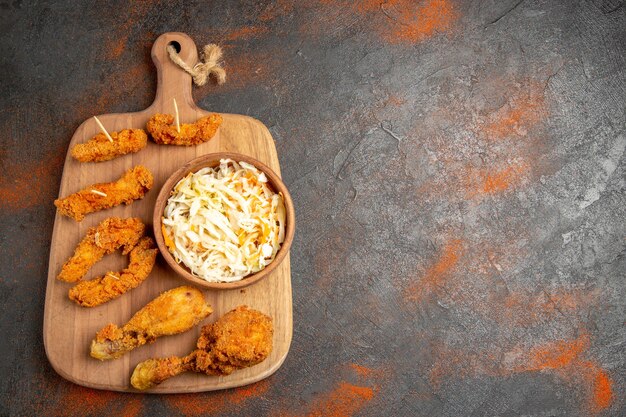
x,y
164,132
100,148
175,311
131,186
100,290
111,234
239,339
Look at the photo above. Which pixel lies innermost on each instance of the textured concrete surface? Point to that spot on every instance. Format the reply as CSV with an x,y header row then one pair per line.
x,y
459,175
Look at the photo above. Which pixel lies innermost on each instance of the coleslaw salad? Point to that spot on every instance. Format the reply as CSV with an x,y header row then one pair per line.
x,y
224,223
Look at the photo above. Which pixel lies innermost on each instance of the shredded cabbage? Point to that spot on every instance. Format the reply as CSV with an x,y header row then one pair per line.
x,y
224,223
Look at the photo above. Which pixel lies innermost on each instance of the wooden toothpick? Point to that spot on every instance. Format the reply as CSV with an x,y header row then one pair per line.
x,y
103,129
177,119
97,192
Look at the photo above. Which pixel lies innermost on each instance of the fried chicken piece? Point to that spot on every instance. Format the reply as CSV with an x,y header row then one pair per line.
x,y
175,311
152,372
100,148
239,339
111,234
131,186
164,132
113,284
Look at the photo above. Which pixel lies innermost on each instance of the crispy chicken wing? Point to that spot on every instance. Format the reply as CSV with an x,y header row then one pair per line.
x,y
175,311
100,148
152,372
164,132
131,186
239,339
113,284
111,234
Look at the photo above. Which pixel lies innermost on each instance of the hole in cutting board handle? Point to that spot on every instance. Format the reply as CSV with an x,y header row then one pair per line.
x,y
176,46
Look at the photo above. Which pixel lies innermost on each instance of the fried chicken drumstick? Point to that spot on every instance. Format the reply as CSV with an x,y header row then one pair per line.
x,y
239,339
175,311
164,132
101,290
131,186
111,234
100,148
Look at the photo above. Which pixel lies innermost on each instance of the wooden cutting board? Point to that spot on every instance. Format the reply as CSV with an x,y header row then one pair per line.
x,y
68,328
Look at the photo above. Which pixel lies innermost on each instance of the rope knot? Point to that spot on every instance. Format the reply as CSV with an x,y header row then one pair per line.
x,y
208,66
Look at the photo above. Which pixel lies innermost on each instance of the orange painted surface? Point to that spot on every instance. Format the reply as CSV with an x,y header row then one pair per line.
x,y
344,400
393,21
29,184
362,371
436,274
418,23
214,402
602,390
555,355
77,401
276,9
245,32
347,398
496,180
517,116
564,358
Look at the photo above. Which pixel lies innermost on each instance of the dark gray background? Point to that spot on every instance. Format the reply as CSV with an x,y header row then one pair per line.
x,y
459,193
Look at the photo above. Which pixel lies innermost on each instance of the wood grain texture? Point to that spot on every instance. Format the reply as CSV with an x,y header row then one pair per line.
x,y
69,329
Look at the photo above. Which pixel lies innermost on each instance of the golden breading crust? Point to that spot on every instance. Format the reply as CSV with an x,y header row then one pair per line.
x,y
164,132
111,234
175,311
152,372
239,339
100,148
131,186
100,290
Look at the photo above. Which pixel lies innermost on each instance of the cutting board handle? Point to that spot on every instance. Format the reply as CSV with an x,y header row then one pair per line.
x,y
173,81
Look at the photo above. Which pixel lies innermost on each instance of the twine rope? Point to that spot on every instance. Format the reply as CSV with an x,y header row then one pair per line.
x,y
208,66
